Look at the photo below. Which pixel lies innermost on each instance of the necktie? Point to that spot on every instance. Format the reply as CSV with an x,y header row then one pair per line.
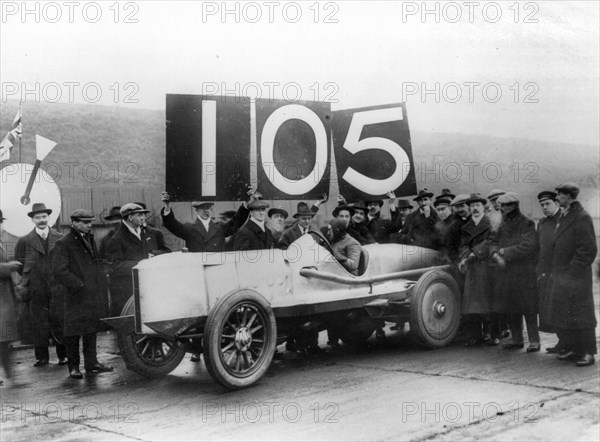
x,y
44,235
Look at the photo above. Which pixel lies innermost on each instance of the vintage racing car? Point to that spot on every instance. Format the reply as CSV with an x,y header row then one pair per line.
x,y
238,304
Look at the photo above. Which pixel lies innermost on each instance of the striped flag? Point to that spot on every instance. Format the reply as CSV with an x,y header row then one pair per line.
x,y
11,137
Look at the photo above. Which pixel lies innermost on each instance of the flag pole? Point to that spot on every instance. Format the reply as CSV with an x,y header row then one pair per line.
x,y
21,137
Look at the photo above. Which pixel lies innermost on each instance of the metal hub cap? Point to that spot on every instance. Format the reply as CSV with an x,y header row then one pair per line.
x,y
439,309
243,338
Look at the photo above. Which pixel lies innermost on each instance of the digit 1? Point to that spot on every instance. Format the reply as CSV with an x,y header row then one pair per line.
x,y
315,8
115,8
209,147
515,9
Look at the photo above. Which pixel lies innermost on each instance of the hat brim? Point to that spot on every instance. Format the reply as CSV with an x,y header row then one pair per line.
x,y
379,202
35,212
477,200
272,212
338,209
112,217
195,205
299,214
425,195
83,219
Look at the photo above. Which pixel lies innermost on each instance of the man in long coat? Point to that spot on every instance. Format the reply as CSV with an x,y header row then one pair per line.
x,y
128,246
474,254
571,299
419,228
113,219
8,313
514,251
77,267
254,234
381,228
33,251
545,240
304,217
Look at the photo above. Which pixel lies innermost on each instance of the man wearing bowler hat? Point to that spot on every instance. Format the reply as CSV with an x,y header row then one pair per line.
x,y
77,267
126,248
381,228
254,234
357,226
571,299
447,230
545,240
114,219
276,222
33,252
514,250
304,217
419,229
203,235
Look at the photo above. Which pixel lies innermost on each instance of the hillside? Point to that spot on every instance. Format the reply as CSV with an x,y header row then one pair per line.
x,y
93,138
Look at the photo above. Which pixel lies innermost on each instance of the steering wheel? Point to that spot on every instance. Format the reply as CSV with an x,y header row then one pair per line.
x,y
321,240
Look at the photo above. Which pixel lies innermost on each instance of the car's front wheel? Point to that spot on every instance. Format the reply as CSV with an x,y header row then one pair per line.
x,y
239,339
148,355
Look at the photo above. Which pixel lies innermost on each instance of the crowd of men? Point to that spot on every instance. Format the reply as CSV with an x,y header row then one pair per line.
x,y
508,269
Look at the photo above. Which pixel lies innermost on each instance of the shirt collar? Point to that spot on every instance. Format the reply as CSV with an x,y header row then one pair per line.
x,y
260,224
45,231
205,222
132,230
477,220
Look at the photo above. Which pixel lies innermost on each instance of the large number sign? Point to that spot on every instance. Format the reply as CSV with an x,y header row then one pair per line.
x,y
373,151
209,145
293,148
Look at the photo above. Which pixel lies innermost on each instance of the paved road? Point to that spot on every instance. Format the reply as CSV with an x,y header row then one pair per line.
x,y
389,391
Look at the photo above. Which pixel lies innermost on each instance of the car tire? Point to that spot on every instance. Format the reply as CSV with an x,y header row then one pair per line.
x,y
435,309
239,339
148,355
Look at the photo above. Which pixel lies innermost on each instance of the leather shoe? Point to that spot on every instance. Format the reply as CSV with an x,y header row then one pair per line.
x,y
195,357
98,368
586,359
533,348
553,350
512,345
493,341
40,362
62,361
567,356
75,373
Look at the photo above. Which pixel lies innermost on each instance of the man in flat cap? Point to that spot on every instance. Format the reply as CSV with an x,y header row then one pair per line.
x,y
203,235
33,252
474,254
126,248
419,229
77,267
514,249
572,310
113,219
254,234
545,240
448,230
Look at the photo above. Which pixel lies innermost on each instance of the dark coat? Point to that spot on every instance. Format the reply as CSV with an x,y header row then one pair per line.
x,y
381,229
515,284
448,233
197,239
124,251
360,232
104,241
251,237
545,240
477,293
420,231
77,267
8,312
37,282
571,298
289,236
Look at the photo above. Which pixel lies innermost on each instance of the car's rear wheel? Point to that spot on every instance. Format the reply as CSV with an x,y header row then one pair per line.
x,y
435,309
239,339
148,355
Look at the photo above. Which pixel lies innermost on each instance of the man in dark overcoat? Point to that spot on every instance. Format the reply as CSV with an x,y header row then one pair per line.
x,y
419,228
358,223
33,252
474,254
113,219
514,250
381,228
78,269
304,217
128,246
203,235
571,298
545,240
254,234
448,230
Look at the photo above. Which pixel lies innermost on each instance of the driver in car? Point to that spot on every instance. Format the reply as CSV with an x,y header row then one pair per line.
x,y
346,249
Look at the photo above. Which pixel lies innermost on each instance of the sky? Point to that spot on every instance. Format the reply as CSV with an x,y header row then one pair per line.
x,y
509,69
